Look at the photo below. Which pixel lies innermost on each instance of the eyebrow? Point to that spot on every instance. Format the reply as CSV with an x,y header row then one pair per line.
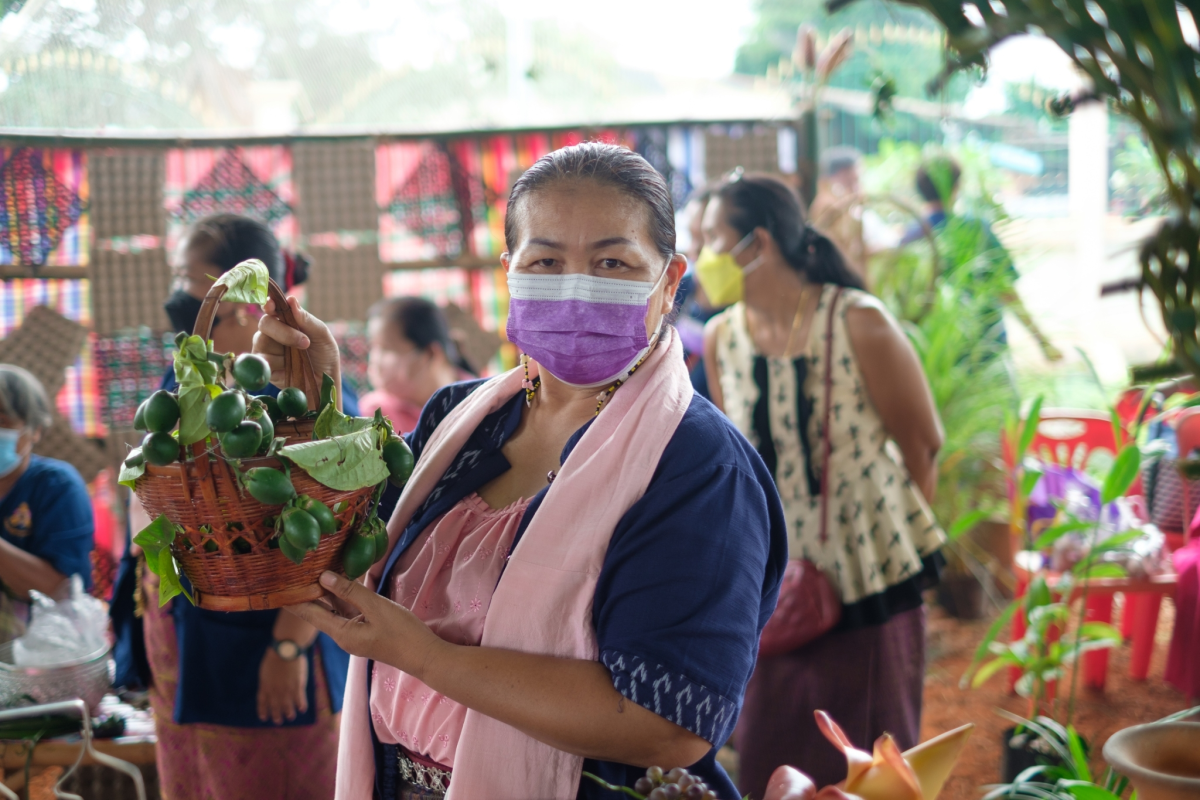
x,y
609,242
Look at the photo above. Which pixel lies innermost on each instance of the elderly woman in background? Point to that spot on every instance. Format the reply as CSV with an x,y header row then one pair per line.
x,y
46,521
821,379
584,557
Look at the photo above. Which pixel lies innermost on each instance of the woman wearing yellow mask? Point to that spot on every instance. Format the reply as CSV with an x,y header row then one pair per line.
x,y
820,378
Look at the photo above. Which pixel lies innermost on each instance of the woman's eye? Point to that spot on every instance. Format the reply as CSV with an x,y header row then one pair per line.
x,y
545,262
612,263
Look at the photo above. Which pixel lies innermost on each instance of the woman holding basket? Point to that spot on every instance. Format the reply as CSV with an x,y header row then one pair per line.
x,y
581,563
246,704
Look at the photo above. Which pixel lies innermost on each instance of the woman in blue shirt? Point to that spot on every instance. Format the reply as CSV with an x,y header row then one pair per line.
x,y
677,517
246,704
46,521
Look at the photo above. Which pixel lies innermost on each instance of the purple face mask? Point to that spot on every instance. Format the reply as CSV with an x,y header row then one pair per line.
x,y
584,330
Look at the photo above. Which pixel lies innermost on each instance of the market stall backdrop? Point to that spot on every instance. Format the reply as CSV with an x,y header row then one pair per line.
x,y
87,226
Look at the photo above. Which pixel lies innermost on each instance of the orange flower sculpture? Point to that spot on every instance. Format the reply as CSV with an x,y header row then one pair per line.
x,y
885,774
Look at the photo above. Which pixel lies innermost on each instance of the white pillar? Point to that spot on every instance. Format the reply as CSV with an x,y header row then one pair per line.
x,y
1087,170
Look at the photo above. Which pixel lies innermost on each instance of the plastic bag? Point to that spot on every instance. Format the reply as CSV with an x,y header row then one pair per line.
x,y
62,631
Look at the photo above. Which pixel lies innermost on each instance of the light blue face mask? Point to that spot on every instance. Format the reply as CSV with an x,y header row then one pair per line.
x,y
10,456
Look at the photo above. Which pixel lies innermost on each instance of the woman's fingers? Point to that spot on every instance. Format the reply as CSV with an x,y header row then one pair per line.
x,y
309,333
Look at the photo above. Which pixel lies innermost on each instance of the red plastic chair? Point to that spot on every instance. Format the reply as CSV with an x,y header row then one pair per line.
x,y
1069,438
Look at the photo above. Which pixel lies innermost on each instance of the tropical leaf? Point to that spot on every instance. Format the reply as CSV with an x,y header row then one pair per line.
x,y
344,463
1122,474
129,474
1056,532
981,652
1029,428
1029,479
332,422
246,283
965,523
1105,571
1086,790
155,540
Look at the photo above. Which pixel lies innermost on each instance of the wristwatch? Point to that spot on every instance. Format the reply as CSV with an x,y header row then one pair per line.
x,y
287,649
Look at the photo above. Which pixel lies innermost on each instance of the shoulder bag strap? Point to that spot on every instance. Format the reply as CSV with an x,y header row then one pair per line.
x,y
825,434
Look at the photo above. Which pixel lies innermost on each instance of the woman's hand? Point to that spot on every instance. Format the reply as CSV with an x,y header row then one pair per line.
x,y
313,335
369,625
282,688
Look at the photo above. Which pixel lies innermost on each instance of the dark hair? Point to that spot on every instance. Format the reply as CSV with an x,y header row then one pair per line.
x,y
22,397
422,323
937,179
760,201
835,159
229,239
608,164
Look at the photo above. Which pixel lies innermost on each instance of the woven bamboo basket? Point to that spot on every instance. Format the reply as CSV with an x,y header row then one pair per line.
x,y
225,546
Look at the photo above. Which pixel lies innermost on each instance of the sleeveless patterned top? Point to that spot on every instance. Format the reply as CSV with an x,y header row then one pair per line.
x,y
879,526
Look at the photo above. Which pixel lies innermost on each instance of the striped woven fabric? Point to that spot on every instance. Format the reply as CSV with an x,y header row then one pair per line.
x,y
255,181
79,398
44,207
441,199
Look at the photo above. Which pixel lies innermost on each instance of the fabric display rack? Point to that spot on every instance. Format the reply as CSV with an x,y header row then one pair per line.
x,y
87,226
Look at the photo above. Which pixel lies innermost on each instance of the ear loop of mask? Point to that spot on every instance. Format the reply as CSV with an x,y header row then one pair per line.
x,y
756,262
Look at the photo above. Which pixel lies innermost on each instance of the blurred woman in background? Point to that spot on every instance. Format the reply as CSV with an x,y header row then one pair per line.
x,y
46,521
245,704
821,379
411,357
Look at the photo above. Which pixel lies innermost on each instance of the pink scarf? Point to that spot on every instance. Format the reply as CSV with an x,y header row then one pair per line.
x,y
543,602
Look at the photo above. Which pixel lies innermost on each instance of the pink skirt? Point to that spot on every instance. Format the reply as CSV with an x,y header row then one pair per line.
x,y
201,762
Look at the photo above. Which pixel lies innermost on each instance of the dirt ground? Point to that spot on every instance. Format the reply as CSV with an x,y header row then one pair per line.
x,y
1124,702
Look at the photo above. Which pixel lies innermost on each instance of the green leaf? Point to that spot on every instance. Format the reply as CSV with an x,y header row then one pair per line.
x,y
246,283
1100,630
991,668
1078,755
1029,428
965,523
194,398
328,393
168,577
1029,479
1086,790
344,463
1122,474
129,475
154,537
1117,542
981,652
1056,532
1105,571
332,422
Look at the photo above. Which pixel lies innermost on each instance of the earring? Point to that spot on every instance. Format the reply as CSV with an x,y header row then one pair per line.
x,y
530,386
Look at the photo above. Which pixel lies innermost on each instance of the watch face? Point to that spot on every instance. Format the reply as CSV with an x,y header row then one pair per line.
x,y
287,649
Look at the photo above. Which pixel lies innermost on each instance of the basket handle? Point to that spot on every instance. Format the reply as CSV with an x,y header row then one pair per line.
x,y
298,368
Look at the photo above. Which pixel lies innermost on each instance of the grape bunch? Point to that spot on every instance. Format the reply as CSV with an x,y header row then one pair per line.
x,y
674,785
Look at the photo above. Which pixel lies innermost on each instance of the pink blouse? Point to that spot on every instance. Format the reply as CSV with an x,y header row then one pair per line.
x,y
446,577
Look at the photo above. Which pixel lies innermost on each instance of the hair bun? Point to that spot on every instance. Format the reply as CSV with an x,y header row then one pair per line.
x,y
296,269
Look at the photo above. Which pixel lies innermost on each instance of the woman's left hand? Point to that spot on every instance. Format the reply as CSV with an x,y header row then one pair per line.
x,y
369,625
282,688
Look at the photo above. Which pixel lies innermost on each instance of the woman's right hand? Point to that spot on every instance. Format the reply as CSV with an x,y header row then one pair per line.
x,y
311,334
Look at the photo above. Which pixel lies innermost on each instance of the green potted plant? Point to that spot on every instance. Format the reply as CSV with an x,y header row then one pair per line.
x,y
942,290
1056,634
1070,777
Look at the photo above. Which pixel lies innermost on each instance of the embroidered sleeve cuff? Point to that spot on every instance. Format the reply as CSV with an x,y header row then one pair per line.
x,y
671,695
